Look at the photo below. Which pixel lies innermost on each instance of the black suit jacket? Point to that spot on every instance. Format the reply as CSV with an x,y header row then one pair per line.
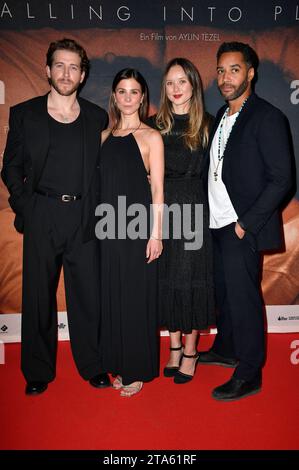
x,y
257,169
26,151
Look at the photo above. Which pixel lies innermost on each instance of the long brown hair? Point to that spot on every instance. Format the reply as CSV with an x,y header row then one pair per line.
x,y
197,132
123,74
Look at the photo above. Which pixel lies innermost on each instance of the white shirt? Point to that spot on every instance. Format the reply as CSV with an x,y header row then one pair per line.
x,y
222,212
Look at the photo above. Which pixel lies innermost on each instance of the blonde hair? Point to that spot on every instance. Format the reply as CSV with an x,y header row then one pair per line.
x,y
197,132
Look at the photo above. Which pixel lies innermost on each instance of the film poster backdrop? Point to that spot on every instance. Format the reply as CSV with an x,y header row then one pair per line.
x,y
145,35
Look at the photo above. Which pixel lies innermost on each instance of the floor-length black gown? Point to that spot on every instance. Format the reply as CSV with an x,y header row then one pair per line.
x,y
129,311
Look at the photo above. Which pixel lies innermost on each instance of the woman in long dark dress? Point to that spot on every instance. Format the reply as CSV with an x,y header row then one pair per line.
x,y
185,276
130,150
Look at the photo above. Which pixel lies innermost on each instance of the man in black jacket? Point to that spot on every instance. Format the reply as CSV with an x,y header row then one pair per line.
x,y
249,177
50,168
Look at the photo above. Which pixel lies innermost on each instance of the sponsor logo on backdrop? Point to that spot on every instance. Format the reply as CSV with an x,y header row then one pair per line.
x,y
288,318
282,318
10,328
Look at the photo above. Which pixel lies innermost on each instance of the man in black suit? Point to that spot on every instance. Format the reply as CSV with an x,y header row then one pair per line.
x,y
50,168
249,177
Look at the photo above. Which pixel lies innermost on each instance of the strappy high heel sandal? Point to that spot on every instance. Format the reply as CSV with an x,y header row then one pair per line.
x,y
180,377
117,383
132,389
172,370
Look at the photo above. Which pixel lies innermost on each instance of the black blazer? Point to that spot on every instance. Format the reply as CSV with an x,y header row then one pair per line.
x,y
257,169
27,149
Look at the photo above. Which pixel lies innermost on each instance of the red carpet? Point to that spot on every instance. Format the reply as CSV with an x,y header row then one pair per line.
x,y
73,415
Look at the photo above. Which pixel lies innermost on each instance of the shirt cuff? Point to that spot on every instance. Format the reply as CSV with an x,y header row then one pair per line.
x,y
241,224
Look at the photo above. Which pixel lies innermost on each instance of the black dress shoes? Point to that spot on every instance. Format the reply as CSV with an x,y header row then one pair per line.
x,y
100,381
235,389
213,359
35,388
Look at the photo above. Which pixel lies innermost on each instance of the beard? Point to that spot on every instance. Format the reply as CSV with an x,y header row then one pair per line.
x,y
235,92
59,87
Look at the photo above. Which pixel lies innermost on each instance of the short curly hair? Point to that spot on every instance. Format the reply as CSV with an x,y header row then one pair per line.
x,y
249,54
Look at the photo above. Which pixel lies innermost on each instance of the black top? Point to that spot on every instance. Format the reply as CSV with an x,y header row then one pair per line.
x,y
62,173
180,161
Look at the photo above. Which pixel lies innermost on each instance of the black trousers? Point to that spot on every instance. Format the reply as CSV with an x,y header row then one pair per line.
x,y
240,321
52,240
